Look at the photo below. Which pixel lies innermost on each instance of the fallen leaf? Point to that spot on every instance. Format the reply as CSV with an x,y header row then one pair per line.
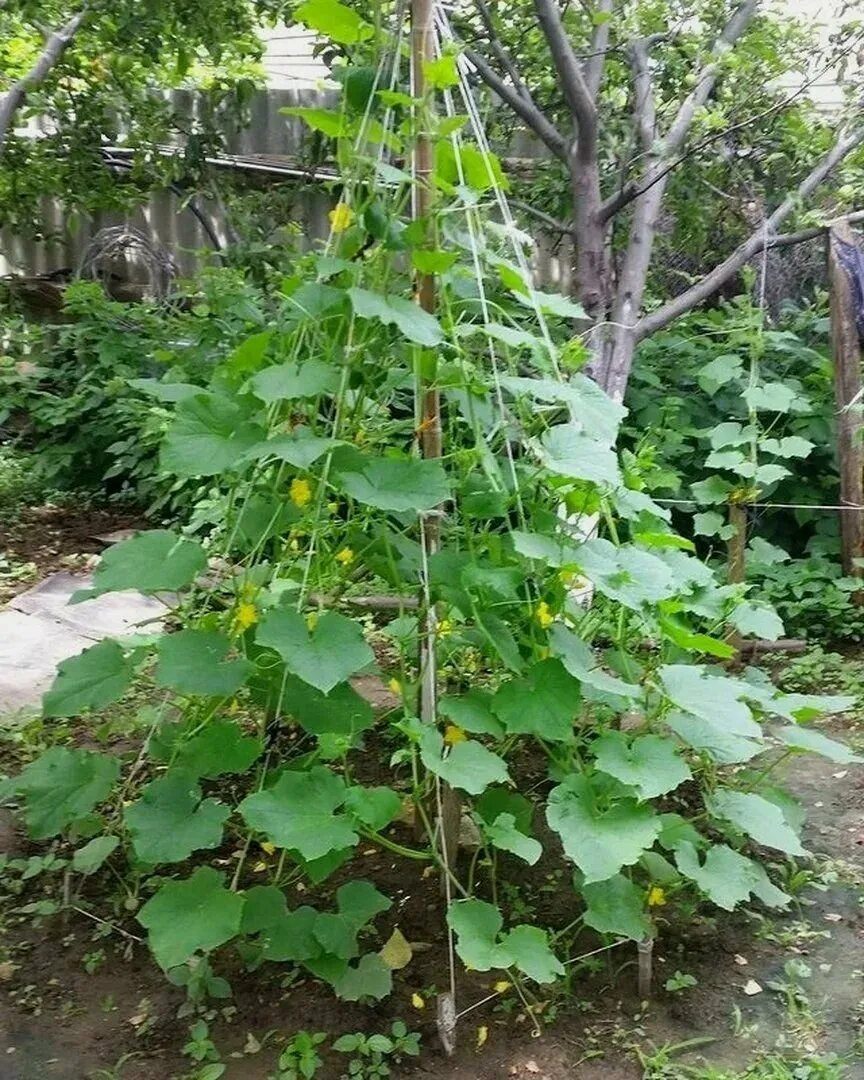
x,y
840,775
7,970
396,951
832,916
482,1036
532,1067
502,986
752,987
418,1001
252,1046
740,960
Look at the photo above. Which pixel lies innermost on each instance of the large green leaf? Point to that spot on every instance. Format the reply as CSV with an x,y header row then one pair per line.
x,y
62,786
286,382
616,906
802,738
374,806
467,765
477,926
191,916
342,711
170,821
567,451
151,562
300,812
300,448
757,620
722,746
543,703
391,483
757,817
728,878
716,699
334,20
471,712
648,763
330,122
409,318
91,680
598,415
368,978
578,658
209,435
220,748
323,656
194,662
599,840
627,574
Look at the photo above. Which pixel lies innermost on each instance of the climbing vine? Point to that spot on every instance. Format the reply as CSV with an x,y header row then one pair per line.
x,y
262,737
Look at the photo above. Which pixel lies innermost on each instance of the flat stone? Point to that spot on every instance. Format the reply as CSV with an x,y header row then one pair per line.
x,y
31,647
115,614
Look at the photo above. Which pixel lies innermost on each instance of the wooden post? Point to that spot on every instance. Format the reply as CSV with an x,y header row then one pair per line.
x,y
736,548
429,410
846,353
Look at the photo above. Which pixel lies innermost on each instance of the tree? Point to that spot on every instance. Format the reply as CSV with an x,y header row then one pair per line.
x,y
618,185
91,73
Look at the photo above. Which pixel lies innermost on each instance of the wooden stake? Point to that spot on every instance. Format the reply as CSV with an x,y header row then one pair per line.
x,y
846,353
429,411
736,547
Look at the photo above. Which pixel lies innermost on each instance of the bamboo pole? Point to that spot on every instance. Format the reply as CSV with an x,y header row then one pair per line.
x,y
846,352
429,410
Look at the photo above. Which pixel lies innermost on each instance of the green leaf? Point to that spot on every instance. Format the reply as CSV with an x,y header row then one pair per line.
x,y
721,745
709,523
647,762
802,738
441,73
151,562
300,448
62,786
433,262
219,749
477,926
711,491
626,573
580,661
713,698
791,446
543,703
360,902
468,765
193,662
91,680
391,483
170,820
567,451
324,656
291,937
209,435
598,415
471,712
527,948
728,878
720,370
770,474
89,858
498,800
299,812
369,978
756,817
337,21
249,354
756,619
409,318
616,906
288,382
503,834
771,397
329,122
168,392
340,712
265,906
374,806
730,433
599,841
191,916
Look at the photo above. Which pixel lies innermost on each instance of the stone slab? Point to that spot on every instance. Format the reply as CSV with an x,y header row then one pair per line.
x,y
111,615
31,647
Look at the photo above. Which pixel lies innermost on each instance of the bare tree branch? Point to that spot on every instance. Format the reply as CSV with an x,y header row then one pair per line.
x,y
501,54
573,84
55,46
644,105
599,44
712,281
524,108
551,223
706,80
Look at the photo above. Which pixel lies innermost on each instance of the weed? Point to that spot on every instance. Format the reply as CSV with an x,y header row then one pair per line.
x,y
372,1054
299,1059
679,982
200,1047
